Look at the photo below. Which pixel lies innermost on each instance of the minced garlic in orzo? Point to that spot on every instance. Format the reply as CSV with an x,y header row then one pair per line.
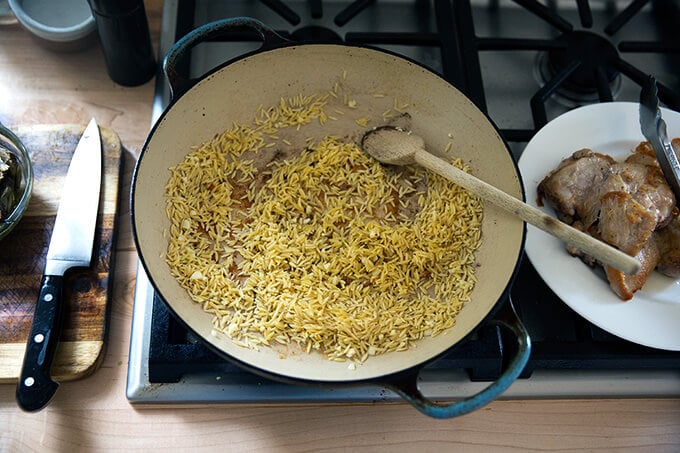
x,y
321,247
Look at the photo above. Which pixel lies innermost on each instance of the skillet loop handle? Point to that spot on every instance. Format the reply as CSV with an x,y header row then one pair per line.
x,y
408,387
179,83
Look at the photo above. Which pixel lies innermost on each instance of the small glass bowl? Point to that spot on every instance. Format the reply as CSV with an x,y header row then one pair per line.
x,y
10,143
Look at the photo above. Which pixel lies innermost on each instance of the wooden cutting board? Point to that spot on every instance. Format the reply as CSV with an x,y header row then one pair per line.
x,y
22,258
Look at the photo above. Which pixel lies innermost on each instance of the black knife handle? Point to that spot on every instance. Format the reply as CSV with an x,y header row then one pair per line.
x,y
36,387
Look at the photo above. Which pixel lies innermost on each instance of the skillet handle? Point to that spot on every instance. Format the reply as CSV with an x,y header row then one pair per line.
x,y
407,386
179,84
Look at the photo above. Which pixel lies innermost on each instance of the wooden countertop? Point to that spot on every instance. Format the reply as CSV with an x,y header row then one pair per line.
x,y
38,86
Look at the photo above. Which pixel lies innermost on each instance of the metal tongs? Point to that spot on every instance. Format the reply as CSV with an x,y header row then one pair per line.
x,y
654,130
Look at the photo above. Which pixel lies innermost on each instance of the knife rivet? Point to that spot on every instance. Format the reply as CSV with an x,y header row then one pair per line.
x,y
29,381
48,297
39,338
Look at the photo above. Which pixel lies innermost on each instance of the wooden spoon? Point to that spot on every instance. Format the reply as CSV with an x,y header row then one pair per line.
x,y
395,146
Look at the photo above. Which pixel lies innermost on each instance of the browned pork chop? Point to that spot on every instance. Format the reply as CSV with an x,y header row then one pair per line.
x,y
668,241
625,285
626,204
627,201
567,187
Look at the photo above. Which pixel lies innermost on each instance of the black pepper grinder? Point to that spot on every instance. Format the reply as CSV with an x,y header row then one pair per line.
x,y
124,34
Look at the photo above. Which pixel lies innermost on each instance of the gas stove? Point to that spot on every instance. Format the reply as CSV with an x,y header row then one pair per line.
x,y
522,62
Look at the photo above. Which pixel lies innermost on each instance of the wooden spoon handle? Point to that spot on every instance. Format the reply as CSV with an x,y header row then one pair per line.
x,y
588,244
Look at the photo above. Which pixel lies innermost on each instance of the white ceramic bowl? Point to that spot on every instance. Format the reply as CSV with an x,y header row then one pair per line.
x,y
58,24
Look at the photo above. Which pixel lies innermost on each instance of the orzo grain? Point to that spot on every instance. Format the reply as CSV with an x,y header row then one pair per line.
x,y
326,248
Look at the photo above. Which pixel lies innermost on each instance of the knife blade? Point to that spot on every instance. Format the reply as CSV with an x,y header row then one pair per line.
x,y
654,129
71,245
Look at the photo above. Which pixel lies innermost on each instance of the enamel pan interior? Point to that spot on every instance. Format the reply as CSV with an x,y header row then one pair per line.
x,y
440,114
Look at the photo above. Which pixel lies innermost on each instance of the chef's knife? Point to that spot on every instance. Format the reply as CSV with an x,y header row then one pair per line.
x,y
70,246
654,129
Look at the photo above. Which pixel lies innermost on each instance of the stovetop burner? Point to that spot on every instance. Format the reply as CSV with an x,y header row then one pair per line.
x,y
587,66
488,49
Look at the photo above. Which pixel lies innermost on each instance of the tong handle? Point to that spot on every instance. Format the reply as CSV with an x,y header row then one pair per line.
x,y
654,129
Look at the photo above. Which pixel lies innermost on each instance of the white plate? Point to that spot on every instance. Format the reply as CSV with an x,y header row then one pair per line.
x,y
652,317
